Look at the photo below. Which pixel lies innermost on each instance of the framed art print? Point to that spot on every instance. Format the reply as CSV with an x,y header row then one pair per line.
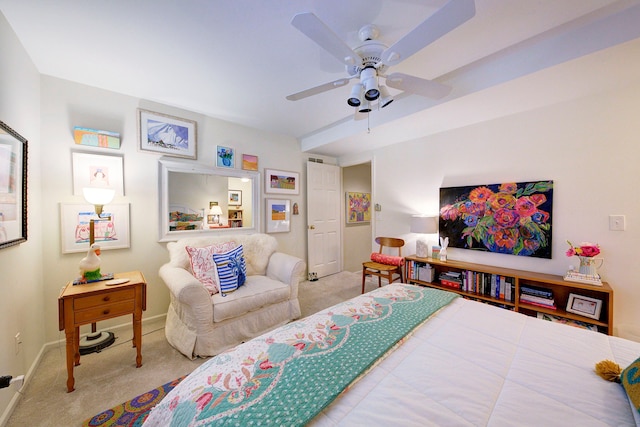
x,y
278,216
111,230
13,187
97,170
584,306
168,135
249,162
225,157
358,207
235,198
281,182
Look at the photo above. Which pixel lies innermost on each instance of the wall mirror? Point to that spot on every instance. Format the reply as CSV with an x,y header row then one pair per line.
x,y
13,187
199,200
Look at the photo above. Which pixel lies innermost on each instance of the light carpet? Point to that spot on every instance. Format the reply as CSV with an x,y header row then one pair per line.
x,y
106,379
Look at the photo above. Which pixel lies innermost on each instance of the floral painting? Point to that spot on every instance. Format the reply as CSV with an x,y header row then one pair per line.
x,y
358,207
225,157
509,218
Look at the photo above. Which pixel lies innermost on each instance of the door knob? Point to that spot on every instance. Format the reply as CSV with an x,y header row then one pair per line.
x,y
312,227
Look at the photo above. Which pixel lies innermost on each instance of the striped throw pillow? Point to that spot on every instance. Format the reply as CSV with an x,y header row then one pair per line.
x,y
232,269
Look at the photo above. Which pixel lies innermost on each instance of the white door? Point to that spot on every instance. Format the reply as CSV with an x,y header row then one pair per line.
x,y
323,219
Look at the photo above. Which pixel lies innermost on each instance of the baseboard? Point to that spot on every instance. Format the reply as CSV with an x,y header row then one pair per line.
x,y
6,414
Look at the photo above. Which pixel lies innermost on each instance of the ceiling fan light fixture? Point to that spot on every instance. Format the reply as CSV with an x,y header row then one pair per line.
x,y
385,97
356,93
365,107
368,78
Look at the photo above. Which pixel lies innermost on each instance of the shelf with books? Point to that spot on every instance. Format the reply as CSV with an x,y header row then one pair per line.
x,y
523,291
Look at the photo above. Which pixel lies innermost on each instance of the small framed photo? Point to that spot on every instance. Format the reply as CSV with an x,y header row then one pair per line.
x,y
225,157
235,198
165,134
278,215
584,306
249,162
97,170
281,182
111,229
358,207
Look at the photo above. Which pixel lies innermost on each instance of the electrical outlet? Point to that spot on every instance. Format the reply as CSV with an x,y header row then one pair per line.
x,y
616,222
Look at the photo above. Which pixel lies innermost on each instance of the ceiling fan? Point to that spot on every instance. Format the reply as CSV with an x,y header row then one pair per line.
x,y
369,61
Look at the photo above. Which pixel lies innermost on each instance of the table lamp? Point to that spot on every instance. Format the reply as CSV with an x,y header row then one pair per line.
x,y
421,225
216,211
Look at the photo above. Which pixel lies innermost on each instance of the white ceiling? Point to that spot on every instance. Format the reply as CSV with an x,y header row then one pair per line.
x,y
237,60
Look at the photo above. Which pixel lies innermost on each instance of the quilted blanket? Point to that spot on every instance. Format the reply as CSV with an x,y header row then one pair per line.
x,y
287,376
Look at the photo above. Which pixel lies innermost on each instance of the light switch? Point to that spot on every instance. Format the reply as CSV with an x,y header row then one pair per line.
x,y
616,222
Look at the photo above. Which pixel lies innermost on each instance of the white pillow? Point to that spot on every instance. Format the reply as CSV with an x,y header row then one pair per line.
x,y
203,267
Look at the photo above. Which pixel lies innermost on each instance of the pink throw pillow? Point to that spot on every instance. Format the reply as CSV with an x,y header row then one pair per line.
x,y
203,266
387,259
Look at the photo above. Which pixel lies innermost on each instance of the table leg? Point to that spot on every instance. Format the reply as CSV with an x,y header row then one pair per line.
x,y
76,346
137,337
70,333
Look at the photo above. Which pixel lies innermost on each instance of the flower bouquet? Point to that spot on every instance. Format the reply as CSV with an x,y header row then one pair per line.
x,y
586,253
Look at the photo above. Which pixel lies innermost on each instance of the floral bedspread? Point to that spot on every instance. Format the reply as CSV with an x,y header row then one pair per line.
x,y
287,376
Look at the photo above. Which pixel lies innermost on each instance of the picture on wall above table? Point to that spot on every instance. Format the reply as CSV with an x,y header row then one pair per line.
x,y
358,206
249,162
509,218
96,138
111,230
165,134
235,198
225,157
97,170
278,215
281,182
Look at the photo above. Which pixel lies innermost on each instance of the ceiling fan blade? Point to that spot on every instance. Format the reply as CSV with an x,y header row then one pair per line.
x,y
318,89
448,17
311,26
423,87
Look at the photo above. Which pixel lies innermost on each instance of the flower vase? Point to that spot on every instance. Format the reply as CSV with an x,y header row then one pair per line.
x,y
588,265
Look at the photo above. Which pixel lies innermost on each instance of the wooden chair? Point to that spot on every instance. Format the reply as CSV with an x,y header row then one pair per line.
x,y
373,268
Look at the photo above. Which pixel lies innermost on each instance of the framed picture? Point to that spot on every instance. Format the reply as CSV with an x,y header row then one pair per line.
x,y
165,134
97,170
509,218
225,157
281,182
111,229
358,207
235,198
13,187
278,215
584,306
249,162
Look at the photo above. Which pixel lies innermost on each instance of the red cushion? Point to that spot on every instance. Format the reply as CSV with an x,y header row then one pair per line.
x,y
387,259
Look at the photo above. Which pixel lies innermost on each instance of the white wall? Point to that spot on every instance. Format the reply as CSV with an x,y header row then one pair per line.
x,y
21,304
588,147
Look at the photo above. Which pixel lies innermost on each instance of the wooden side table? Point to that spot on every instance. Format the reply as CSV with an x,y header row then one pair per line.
x,y
92,302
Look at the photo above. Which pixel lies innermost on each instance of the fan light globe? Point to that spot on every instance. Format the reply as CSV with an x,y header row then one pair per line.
x,y
354,98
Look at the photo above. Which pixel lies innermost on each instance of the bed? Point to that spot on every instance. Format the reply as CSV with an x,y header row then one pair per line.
x,y
408,355
184,218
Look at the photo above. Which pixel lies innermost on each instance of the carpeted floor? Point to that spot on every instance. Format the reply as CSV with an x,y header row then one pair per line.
x,y
109,378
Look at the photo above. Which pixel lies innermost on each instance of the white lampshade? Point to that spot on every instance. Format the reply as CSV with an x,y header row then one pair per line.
x,y
424,224
98,197
215,210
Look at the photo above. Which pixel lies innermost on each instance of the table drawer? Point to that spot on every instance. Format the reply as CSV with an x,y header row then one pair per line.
x,y
106,311
102,299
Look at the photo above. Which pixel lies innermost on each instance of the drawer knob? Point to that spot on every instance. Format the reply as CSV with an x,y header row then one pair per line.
x,y
106,312
107,298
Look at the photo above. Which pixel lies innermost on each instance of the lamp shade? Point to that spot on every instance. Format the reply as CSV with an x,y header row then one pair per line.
x,y
424,224
215,210
98,196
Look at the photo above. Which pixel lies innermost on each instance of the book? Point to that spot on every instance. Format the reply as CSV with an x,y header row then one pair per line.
x,y
532,290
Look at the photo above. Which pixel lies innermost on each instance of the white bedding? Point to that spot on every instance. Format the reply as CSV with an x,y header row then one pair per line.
x,y
473,365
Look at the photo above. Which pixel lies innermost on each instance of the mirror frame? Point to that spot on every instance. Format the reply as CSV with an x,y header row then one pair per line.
x,y
17,168
166,166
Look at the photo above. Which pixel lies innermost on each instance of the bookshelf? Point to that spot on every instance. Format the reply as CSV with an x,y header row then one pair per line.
x,y
235,218
520,282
